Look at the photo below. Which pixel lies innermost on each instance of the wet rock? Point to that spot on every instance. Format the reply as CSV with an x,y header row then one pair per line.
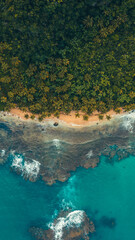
x,y
122,154
73,225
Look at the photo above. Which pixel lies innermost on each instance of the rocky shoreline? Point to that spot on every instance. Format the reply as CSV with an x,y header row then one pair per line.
x,y
60,150
52,152
68,226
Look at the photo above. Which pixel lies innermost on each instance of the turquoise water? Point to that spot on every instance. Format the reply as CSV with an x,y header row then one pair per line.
x,y
106,193
23,204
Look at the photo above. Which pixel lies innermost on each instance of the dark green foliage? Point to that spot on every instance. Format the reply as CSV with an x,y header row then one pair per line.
x,y
40,118
32,116
56,114
77,115
85,117
117,110
100,116
58,56
2,106
26,116
108,117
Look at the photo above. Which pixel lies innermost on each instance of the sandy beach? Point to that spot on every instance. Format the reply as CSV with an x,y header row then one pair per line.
x,y
72,144
70,120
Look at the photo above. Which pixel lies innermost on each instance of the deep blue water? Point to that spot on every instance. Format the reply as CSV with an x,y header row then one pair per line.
x,y
106,193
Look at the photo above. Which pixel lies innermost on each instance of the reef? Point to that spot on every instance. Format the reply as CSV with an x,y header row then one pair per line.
x,y
67,226
52,153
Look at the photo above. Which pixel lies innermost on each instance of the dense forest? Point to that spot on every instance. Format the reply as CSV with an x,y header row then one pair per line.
x,y
63,55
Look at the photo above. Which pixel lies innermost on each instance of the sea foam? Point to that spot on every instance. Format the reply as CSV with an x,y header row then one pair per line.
x,y
27,168
73,219
56,143
66,205
89,154
17,162
2,154
68,194
31,169
129,120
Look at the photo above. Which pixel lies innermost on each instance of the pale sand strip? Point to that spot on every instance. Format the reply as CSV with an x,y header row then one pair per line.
x,y
70,120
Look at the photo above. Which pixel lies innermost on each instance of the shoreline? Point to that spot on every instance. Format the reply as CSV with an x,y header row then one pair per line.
x,y
61,150
69,120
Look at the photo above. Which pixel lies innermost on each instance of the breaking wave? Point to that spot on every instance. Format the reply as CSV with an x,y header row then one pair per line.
x,y
56,143
17,162
2,153
89,154
129,120
31,168
28,169
73,219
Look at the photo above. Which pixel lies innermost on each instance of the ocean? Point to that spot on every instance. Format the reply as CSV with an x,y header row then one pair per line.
x,y
106,192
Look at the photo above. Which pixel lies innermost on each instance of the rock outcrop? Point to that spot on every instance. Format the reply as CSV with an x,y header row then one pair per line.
x,y
73,225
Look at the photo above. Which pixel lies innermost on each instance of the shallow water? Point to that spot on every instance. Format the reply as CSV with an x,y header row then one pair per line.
x,y
106,193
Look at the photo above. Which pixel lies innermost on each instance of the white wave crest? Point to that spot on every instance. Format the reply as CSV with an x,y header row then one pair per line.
x,y
56,143
73,219
3,153
28,168
89,154
17,162
31,169
129,120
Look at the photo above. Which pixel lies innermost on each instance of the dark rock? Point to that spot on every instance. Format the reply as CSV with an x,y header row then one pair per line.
x,y
55,124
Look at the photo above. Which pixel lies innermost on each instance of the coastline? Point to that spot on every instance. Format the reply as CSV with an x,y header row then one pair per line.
x,y
58,151
69,120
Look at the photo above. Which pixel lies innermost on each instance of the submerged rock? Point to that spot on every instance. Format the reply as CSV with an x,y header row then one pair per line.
x,y
73,225
108,222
